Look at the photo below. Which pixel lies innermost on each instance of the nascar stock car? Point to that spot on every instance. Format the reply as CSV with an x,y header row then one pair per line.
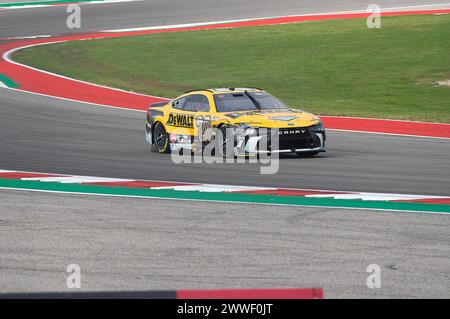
x,y
245,112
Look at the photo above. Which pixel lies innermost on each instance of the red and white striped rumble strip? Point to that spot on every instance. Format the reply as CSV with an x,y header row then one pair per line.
x,y
218,188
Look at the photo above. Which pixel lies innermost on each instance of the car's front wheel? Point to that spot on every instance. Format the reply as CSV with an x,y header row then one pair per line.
x,y
161,142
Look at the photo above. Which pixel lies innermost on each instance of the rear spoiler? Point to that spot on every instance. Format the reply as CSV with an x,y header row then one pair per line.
x,y
159,104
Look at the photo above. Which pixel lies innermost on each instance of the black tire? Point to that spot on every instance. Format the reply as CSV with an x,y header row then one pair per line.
x,y
161,142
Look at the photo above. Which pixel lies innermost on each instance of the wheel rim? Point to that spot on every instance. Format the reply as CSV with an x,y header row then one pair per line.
x,y
160,137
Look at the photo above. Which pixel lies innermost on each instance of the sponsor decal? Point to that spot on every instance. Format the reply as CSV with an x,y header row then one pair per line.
x,y
291,132
173,137
181,120
180,141
282,118
180,146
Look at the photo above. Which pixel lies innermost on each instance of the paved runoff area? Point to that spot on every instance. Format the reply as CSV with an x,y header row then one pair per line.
x,y
150,244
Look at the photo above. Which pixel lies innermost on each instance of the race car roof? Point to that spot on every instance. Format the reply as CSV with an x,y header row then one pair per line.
x,y
226,90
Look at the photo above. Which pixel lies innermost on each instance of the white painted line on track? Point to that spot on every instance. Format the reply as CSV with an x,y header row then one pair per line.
x,y
199,24
390,134
214,188
219,188
393,211
6,56
76,101
142,111
375,196
109,1
390,120
27,37
76,179
30,5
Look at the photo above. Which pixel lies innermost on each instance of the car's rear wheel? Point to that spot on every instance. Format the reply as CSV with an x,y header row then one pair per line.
x,y
161,142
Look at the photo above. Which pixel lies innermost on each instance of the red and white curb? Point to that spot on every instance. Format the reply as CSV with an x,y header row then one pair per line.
x,y
218,188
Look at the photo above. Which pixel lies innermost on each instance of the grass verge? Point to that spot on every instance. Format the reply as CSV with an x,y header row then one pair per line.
x,y
328,67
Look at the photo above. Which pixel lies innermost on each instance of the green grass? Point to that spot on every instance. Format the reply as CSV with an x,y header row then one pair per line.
x,y
329,67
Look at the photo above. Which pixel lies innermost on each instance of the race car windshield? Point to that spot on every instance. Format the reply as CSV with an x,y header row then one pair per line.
x,y
230,102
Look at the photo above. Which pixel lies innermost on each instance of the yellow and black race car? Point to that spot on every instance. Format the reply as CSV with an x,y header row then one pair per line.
x,y
245,112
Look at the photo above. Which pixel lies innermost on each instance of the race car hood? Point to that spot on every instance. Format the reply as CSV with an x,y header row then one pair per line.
x,y
274,118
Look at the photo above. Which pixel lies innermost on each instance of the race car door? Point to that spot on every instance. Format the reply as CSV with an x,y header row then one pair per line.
x,y
198,106
180,121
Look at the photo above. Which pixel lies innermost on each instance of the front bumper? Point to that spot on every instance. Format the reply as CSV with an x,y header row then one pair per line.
x,y
291,140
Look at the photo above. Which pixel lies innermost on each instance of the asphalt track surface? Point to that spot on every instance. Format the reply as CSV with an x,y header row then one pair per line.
x,y
145,244
58,136
50,135
97,17
297,247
